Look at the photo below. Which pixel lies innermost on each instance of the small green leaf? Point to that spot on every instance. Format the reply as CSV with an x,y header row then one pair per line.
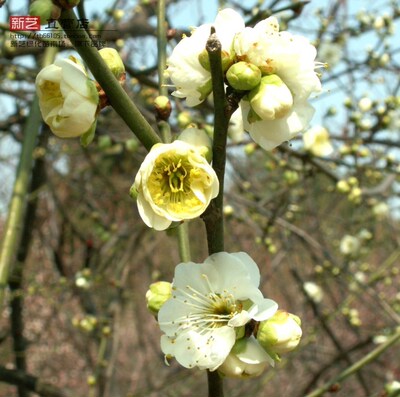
x,y
88,136
93,94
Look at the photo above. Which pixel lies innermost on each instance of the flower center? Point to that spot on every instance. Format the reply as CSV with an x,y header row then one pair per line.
x,y
170,183
176,175
206,311
51,89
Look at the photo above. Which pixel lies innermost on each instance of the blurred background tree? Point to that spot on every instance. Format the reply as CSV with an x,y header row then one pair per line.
x,y
322,227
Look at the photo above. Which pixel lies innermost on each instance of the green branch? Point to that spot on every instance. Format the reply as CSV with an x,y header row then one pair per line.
x,y
163,126
161,46
213,217
184,242
17,207
224,106
353,369
12,232
116,95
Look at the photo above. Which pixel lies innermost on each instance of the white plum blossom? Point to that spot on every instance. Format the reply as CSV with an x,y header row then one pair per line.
x,y
365,104
210,305
316,141
350,245
380,210
175,182
191,79
68,99
331,53
313,291
235,128
274,108
292,59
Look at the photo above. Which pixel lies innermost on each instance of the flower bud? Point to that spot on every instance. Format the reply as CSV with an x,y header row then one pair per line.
x,y
316,141
163,107
313,291
113,60
243,76
226,60
157,295
343,186
68,99
198,138
393,388
350,245
45,9
380,210
246,360
280,334
184,118
204,60
272,99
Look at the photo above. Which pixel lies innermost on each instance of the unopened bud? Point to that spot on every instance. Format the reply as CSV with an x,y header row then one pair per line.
x,y
343,186
280,334
204,60
184,118
226,60
157,295
45,9
163,107
113,60
272,99
243,76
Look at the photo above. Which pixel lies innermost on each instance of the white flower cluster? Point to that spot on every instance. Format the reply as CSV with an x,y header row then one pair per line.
x,y
210,320
275,70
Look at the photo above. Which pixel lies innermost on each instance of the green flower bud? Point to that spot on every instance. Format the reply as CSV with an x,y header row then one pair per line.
x,y
113,60
45,9
163,107
226,60
393,389
132,145
184,118
157,295
205,90
204,60
280,334
343,186
271,99
243,76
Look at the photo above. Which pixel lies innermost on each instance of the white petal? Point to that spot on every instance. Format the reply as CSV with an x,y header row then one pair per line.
x,y
206,351
73,75
149,217
227,23
265,309
240,319
271,133
251,266
253,353
232,275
